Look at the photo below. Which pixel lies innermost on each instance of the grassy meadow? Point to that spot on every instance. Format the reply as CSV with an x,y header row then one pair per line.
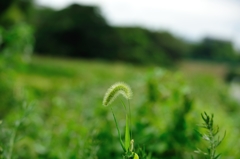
x,y
51,99
61,113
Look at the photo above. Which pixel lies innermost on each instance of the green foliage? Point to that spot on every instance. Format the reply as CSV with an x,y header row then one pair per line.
x,y
216,50
16,46
232,74
10,134
76,31
175,48
67,122
211,137
13,12
137,45
168,101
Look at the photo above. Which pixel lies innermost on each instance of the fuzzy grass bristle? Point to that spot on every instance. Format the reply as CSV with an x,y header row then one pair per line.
x,y
115,90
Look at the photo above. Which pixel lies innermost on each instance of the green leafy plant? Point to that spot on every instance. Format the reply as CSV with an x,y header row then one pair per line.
x,y
110,96
210,136
7,146
16,48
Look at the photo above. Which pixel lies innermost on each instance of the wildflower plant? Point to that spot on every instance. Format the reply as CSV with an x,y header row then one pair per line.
x,y
121,88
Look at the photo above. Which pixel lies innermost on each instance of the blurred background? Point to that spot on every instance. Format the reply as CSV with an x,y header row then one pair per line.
x,y
58,58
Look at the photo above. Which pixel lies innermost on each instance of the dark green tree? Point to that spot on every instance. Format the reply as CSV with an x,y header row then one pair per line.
x,y
215,49
147,47
135,45
175,48
77,31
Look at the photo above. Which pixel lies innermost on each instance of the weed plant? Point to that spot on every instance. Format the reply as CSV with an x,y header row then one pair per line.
x,y
210,136
110,96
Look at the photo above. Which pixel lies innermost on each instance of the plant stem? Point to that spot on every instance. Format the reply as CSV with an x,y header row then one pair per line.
x,y
12,140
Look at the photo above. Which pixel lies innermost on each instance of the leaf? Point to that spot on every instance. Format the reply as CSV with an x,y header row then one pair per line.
x,y
135,156
217,156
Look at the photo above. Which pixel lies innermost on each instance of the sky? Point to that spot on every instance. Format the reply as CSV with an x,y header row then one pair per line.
x,y
187,19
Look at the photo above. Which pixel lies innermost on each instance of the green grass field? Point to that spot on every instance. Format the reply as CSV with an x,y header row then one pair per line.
x,y
68,121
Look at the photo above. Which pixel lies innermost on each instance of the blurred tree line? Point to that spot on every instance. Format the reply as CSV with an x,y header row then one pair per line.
x,y
215,49
82,32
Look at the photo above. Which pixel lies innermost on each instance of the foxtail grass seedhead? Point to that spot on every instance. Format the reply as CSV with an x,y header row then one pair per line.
x,y
115,90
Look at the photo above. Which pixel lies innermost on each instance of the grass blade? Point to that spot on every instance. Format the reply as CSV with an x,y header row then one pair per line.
x,y
119,133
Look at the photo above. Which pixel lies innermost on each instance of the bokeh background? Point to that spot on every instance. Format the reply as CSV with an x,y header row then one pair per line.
x,y
58,58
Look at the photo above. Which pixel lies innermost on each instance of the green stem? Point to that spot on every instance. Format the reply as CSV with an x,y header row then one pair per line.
x,y
212,149
119,133
130,119
127,135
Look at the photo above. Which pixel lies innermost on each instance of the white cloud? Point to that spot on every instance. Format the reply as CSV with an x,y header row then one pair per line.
x,y
192,19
